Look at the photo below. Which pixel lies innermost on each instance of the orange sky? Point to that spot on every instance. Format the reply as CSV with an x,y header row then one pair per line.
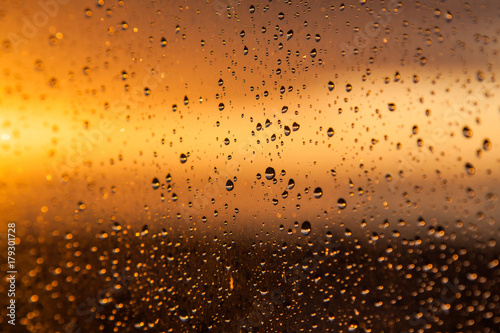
x,y
67,120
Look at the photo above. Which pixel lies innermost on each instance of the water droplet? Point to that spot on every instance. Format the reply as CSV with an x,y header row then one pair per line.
x,y
341,203
487,145
183,158
270,173
220,82
184,316
331,85
330,132
156,184
289,34
392,107
467,132
281,16
469,168
480,76
449,17
168,178
291,184
348,87
229,185
287,131
306,228
318,192
163,42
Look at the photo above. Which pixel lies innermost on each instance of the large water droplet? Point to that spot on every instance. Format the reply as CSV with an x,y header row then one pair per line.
x,y
306,228
229,185
341,203
156,183
270,173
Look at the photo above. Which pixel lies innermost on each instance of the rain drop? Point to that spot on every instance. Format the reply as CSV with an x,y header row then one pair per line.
x,y
306,228
341,203
229,185
270,173
156,184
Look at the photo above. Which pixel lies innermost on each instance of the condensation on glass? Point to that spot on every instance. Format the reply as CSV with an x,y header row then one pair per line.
x,y
251,166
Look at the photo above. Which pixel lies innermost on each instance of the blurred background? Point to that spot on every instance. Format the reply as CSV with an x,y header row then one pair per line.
x,y
234,166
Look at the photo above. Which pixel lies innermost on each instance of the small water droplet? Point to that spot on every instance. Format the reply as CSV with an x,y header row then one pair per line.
x,y
331,85
487,145
469,168
467,132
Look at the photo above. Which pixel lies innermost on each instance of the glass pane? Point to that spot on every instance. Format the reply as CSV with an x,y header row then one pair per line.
x,y
262,166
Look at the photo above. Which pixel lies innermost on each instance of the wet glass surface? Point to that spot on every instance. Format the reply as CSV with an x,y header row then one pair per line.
x,y
243,166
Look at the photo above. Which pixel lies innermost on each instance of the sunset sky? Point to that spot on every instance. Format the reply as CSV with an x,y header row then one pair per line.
x,y
77,126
